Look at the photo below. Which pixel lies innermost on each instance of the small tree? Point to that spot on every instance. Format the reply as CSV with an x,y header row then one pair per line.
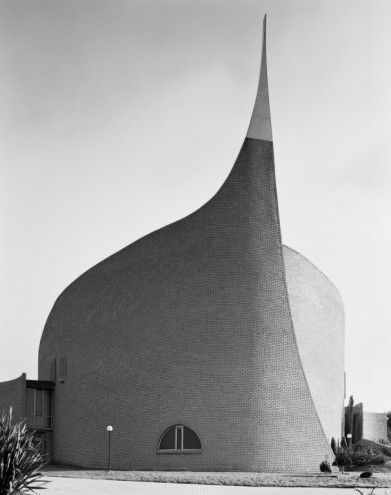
x,y
357,427
349,416
20,460
342,458
333,446
344,445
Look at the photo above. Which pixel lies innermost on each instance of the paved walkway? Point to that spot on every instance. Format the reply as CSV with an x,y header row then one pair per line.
x,y
79,486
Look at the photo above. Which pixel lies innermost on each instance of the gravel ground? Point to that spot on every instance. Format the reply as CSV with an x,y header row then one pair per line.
x,y
335,480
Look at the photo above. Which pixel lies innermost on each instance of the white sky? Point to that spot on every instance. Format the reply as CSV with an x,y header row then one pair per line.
x,y
120,116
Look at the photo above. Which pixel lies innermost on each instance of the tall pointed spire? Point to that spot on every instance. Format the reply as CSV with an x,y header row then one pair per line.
x,y
260,125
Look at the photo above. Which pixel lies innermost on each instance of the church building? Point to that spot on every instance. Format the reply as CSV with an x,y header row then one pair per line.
x,y
207,345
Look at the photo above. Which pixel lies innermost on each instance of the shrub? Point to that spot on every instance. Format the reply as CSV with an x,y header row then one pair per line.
x,y
358,456
333,446
362,456
342,458
20,460
343,443
366,474
325,467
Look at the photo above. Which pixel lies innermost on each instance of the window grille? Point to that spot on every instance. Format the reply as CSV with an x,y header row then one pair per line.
x,y
63,367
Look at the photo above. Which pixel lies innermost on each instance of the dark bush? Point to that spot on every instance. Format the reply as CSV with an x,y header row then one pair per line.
x,y
342,458
325,467
362,456
20,460
366,474
333,446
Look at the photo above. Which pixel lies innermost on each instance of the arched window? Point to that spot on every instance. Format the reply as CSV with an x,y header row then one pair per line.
x,y
179,438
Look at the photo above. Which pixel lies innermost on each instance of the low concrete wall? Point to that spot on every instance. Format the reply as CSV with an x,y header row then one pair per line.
x,y
374,426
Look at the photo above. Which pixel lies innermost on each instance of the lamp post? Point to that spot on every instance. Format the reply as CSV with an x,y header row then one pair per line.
x,y
109,429
349,437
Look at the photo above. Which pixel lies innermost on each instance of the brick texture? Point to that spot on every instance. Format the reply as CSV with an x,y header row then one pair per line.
x,y
13,393
318,320
190,325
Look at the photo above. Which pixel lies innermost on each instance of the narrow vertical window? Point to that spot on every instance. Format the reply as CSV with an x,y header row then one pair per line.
x,y
38,407
47,409
30,405
178,436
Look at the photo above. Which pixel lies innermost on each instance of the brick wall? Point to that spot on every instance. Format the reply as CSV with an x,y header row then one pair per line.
x,y
318,319
189,325
13,393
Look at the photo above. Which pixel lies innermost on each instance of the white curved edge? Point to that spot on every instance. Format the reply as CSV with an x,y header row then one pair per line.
x,y
260,124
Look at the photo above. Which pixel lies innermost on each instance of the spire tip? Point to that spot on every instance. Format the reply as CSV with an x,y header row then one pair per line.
x,y
260,124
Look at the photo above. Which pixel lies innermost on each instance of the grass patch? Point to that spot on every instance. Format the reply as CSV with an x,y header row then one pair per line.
x,y
337,480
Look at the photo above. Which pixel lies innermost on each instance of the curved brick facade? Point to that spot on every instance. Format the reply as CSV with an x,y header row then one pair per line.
x,y
318,319
191,325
